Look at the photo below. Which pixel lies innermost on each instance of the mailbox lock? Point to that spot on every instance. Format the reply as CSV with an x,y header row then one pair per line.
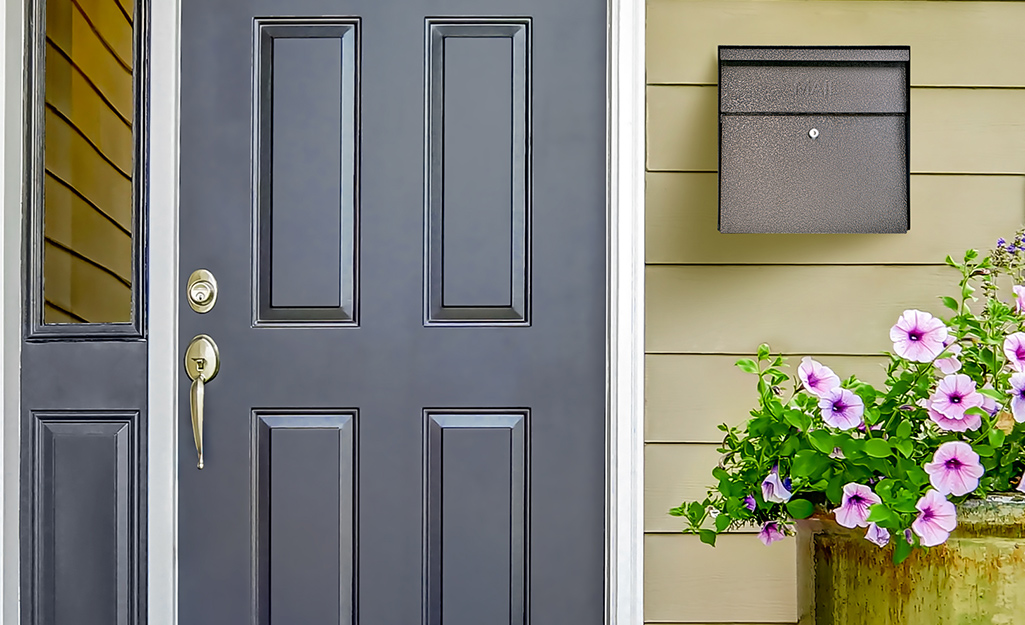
x,y
813,133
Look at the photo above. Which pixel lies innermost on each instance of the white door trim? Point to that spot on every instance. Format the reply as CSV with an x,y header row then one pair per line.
x,y
625,478
12,52
162,485
625,481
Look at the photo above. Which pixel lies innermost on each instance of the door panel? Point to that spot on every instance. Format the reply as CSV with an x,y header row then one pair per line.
x,y
408,424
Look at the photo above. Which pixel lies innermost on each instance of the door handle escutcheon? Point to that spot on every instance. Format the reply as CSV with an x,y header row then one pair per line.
x,y
202,362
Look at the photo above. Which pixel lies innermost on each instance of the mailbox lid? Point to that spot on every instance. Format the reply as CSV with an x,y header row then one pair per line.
x,y
814,88
775,178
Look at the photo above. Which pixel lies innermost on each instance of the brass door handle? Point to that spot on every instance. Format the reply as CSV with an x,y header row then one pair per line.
x,y
202,362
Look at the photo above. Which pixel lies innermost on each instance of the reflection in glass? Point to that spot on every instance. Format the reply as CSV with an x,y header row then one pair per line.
x,y
89,162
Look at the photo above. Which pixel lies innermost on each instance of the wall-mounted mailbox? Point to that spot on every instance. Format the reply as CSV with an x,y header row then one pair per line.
x,y
814,139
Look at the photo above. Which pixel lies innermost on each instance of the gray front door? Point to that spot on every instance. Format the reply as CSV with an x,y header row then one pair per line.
x,y
403,204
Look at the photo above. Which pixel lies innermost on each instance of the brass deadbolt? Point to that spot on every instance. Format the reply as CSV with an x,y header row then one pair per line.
x,y
202,290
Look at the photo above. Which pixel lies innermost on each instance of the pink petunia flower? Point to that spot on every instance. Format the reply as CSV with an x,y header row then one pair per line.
x,y
770,533
955,469
937,518
773,489
955,394
968,422
842,408
876,535
1018,396
817,377
1021,484
918,336
949,364
1014,349
1019,298
855,504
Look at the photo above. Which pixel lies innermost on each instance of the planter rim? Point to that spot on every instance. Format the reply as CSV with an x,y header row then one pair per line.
x,y
998,511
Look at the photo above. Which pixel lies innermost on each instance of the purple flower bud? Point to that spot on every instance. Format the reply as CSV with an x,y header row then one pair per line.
x,y
1001,242
749,503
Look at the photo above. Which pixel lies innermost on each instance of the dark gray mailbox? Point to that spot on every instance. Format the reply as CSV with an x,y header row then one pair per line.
x,y
814,139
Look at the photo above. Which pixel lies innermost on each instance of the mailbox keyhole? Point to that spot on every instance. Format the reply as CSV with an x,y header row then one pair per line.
x,y
813,133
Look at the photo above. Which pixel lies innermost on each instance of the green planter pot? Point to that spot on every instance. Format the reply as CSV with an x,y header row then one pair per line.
x,y
976,577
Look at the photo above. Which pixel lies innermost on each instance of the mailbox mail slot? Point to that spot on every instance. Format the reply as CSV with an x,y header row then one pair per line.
x,y
814,140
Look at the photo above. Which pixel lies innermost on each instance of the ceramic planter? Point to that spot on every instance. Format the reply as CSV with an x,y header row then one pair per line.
x,y
976,577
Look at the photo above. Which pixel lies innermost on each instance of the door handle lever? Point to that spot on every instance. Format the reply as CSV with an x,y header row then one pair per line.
x,y
202,362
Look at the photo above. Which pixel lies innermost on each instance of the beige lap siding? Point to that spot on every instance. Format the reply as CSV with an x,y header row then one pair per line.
x,y
711,298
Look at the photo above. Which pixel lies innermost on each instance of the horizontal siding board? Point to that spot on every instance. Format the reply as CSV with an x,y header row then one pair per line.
x,y
110,22
795,308
952,43
952,130
75,285
68,91
687,396
676,473
740,580
73,223
681,225
72,159
71,33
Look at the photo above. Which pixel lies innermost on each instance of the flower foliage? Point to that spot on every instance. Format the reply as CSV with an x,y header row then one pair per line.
x,y
948,423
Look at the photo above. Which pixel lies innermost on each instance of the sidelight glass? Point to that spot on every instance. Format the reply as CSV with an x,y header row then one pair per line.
x,y
88,161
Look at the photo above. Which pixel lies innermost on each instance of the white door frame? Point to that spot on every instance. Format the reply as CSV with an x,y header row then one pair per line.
x,y
625,365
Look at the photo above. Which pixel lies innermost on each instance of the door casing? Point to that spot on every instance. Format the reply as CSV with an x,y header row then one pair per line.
x,y
625,309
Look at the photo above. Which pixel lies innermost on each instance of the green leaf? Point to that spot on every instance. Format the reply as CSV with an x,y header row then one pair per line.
x,y
901,551
794,418
950,261
879,513
905,447
904,429
996,437
747,365
834,491
800,508
853,448
949,302
763,352
992,392
722,522
822,440
808,462
976,410
678,511
707,537
918,476
878,448
971,255
983,450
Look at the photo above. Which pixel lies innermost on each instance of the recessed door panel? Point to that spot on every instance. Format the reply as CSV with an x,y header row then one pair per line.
x,y
305,518
476,530
307,181
478,207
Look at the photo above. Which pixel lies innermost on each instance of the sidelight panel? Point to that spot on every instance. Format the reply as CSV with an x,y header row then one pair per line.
x,y
84,171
